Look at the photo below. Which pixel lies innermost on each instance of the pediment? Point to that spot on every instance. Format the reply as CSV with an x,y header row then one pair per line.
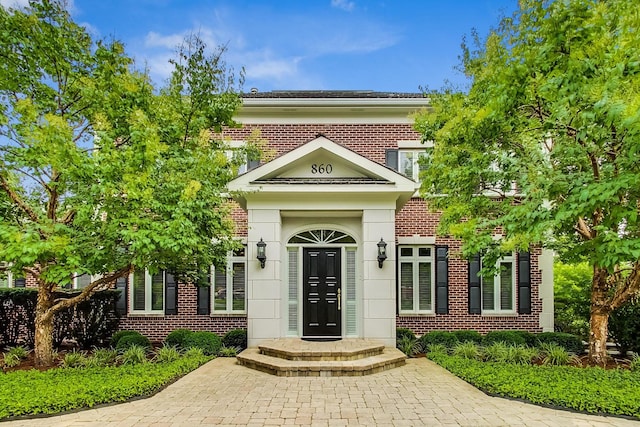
x,y
321,165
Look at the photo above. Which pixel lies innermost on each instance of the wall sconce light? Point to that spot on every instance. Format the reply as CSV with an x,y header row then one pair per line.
x,y
382,252
262,257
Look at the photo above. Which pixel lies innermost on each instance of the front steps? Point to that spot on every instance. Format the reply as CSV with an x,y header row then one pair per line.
x,y
292,357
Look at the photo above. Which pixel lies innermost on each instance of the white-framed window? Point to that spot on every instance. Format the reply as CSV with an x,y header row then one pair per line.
x,y
81,281
408,161
147,292
416,279
229,285
6,281
499,294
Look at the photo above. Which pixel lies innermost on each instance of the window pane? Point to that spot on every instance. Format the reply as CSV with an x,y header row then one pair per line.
x,y
506,286
424,285
406,163
83,281
406,286
4,279
138,290
157,291
487,295
406,251
238,285
220,290
424,251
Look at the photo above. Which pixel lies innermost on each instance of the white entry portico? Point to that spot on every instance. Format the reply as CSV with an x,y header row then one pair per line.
x,y
321,209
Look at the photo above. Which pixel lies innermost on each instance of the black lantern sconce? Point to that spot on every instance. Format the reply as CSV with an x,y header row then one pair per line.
x,y
382,252
262,257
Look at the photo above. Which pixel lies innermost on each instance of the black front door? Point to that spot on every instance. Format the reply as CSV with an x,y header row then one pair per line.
x,y
322,300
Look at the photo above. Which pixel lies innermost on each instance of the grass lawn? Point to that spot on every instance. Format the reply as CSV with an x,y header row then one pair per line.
x,y
61,389
592,390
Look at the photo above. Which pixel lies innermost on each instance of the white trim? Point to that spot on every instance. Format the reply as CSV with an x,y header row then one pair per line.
x,y
147,294
9,279
417,240
414,144
231,259
509,259
415,259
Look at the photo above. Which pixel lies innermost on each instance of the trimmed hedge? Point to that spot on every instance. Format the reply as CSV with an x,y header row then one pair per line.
x,y
208,342
176,337
236,338
468,336
404,332
134,338
115,338
569,342
90,323
507,337
592,390
448,339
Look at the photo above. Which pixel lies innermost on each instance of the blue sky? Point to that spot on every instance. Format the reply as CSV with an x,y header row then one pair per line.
x,y
381,45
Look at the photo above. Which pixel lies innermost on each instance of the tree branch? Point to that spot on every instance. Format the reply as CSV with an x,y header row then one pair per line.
x,y
17,200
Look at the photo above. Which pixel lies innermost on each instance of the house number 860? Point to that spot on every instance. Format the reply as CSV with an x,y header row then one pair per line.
x,y
321,168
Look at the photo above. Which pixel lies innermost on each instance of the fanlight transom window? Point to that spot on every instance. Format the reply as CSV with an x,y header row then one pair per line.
x,y
322,237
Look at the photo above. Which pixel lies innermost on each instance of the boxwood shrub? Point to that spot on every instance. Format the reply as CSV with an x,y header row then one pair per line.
x,y
209,342
135,338
507,337
404,332
468,336
236,338
447,339
176,338
569,342
115,338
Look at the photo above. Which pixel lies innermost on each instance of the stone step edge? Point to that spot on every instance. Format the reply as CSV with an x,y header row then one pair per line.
x,y
252,357
321,355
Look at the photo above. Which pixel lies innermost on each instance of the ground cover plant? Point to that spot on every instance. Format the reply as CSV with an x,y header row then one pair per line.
x,y
62,389
591,389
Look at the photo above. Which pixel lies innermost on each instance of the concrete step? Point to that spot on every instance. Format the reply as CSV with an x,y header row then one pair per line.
x,y
341,350
389,358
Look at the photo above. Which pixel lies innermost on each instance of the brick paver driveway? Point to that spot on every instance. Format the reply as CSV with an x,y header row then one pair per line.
x,y
418,394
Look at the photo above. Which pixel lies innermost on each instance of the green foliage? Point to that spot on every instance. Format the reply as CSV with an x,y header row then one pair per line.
x,y
571,288
167,354
521,354
195,353
467,350
591,390
624,328
507,337
208,342
404,332
93,156
569,342
437,349
465,335
34,392
236,338
555,355
552,109
11,360
18,351
115,338
102,357
447,339
409,346
496,352
132,339
134,354
176,338
228,351
635,363
74,359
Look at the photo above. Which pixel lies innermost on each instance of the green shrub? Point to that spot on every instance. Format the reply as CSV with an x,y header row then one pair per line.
x,y
572,294
102,357
176,338
447,339
404,332
228,351
468,336
635,363
436,349
167,354
194,353
467,350
409,346
507,337
134,355
521,354
132,339
529,338
115,338
10,360
571,343
209,342
624,328
554,355
496,352
236,338
19,352
74,359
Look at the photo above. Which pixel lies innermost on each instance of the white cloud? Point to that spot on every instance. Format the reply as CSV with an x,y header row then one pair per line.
x,y
170,41
343,4
16,4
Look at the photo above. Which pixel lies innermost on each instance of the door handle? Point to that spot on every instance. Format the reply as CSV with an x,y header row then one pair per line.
x,y
339,298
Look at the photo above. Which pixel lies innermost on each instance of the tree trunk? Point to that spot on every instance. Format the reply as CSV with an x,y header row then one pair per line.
x,y
599,318
44,327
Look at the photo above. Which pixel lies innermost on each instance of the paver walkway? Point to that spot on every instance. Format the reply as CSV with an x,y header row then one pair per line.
x,y
418,394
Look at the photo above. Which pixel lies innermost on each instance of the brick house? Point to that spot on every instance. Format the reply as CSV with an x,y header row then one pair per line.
x,y
337,241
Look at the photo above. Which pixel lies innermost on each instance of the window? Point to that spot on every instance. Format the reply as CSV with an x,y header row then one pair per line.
x,y
498,295
83,280
230,284
147,291
5,279
408,162
416,279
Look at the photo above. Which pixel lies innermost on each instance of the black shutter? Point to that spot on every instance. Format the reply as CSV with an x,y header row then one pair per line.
x,y
442,280
391,159
524,283
20,282
252,164
475,296
170,294
204,300
121,304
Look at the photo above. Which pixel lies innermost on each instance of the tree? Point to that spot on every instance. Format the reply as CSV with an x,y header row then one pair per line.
x,y
554,110
100,173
